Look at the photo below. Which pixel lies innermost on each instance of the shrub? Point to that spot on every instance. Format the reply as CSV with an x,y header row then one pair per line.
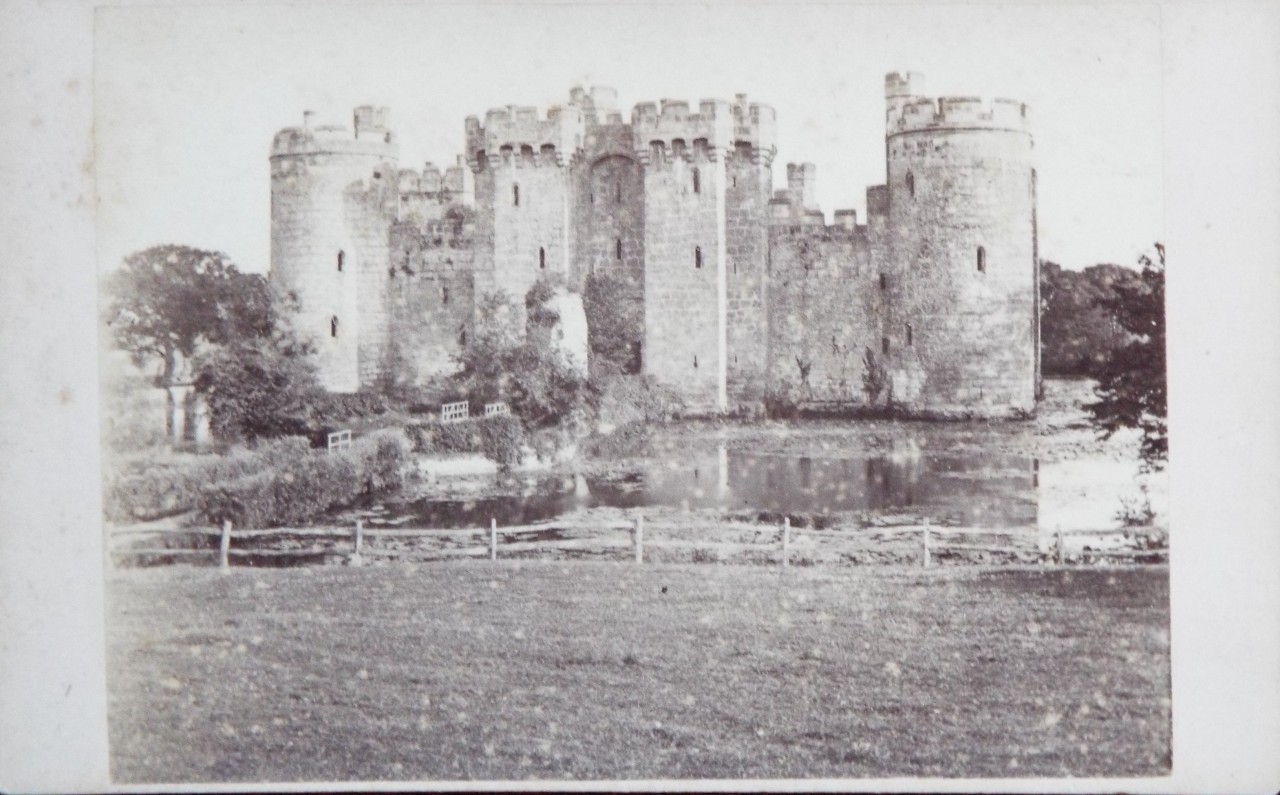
x,y
501,438
635,398
156,489
303,486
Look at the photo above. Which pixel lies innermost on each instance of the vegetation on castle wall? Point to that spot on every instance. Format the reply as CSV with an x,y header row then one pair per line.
x,y
615,322
504,365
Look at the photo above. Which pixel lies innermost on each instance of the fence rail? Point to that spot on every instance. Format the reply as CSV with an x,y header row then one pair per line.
x,y
602,536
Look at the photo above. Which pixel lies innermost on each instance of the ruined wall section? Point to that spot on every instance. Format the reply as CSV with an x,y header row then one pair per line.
x,y
962,318
430,296
524,195
825,310
684,155
333,195
749,174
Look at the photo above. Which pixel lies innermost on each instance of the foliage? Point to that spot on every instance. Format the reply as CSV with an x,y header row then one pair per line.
x,y
1131,388
166,300
163,488
502,364
305,486
501,439
1136,511
537,313
615,323
259,387
636,398
1077,333
498,438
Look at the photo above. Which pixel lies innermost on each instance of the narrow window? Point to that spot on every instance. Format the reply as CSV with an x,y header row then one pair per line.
x,y
911,184
342,259
333,326
982,260
695,361
617,192
617,248
462,337
697,181
884,282
884,345
697,256
542,257
515,195
909,336
444,295
593,197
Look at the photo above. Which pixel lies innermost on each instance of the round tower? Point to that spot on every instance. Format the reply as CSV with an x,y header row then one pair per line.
x,y
333,193
961,327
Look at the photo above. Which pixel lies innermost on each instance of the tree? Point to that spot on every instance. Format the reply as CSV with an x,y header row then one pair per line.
x,y
502,363
1077,332
259,387
1131,387
169,299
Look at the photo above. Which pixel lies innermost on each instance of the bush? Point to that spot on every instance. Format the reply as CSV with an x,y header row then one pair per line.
x,y
157,489
285,482
501,438
626,399
498,438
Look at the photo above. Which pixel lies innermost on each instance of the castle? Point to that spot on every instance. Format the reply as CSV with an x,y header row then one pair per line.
x,y
737,290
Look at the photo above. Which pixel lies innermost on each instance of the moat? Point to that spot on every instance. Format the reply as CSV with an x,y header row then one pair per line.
x,y
973,474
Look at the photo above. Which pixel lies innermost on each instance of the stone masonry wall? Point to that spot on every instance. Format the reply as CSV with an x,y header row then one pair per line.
x,y
750,184
538,222
325,205
972,330
825,309
685,304
430,295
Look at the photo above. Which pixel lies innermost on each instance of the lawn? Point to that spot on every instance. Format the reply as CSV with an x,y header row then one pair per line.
x,y
601,670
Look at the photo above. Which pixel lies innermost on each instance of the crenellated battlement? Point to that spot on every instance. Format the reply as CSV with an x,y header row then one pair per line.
x,y
669,128
925,114
370,135
513,133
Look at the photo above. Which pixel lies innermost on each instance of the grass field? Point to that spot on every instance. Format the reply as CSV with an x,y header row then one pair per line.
x,y
573,670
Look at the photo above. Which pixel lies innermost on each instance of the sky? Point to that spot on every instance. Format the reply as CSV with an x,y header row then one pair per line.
x,y
188,99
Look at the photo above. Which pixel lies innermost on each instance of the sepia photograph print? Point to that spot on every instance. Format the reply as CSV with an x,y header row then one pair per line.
x,y
645,394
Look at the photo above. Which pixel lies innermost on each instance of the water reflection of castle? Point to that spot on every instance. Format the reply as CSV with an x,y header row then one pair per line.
x,y
984,489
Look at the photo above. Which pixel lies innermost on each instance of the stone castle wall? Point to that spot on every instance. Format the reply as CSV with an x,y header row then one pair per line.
x,y
684,273
826,309
332,199
745,291
431,292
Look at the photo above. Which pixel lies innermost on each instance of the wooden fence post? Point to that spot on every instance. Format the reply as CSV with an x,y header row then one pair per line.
x,y
638,532
1057,540
224,548
356,559
786,539
493,539
926,543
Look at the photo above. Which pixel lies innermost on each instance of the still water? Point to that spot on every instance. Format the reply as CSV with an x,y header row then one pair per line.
x,y
989,490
